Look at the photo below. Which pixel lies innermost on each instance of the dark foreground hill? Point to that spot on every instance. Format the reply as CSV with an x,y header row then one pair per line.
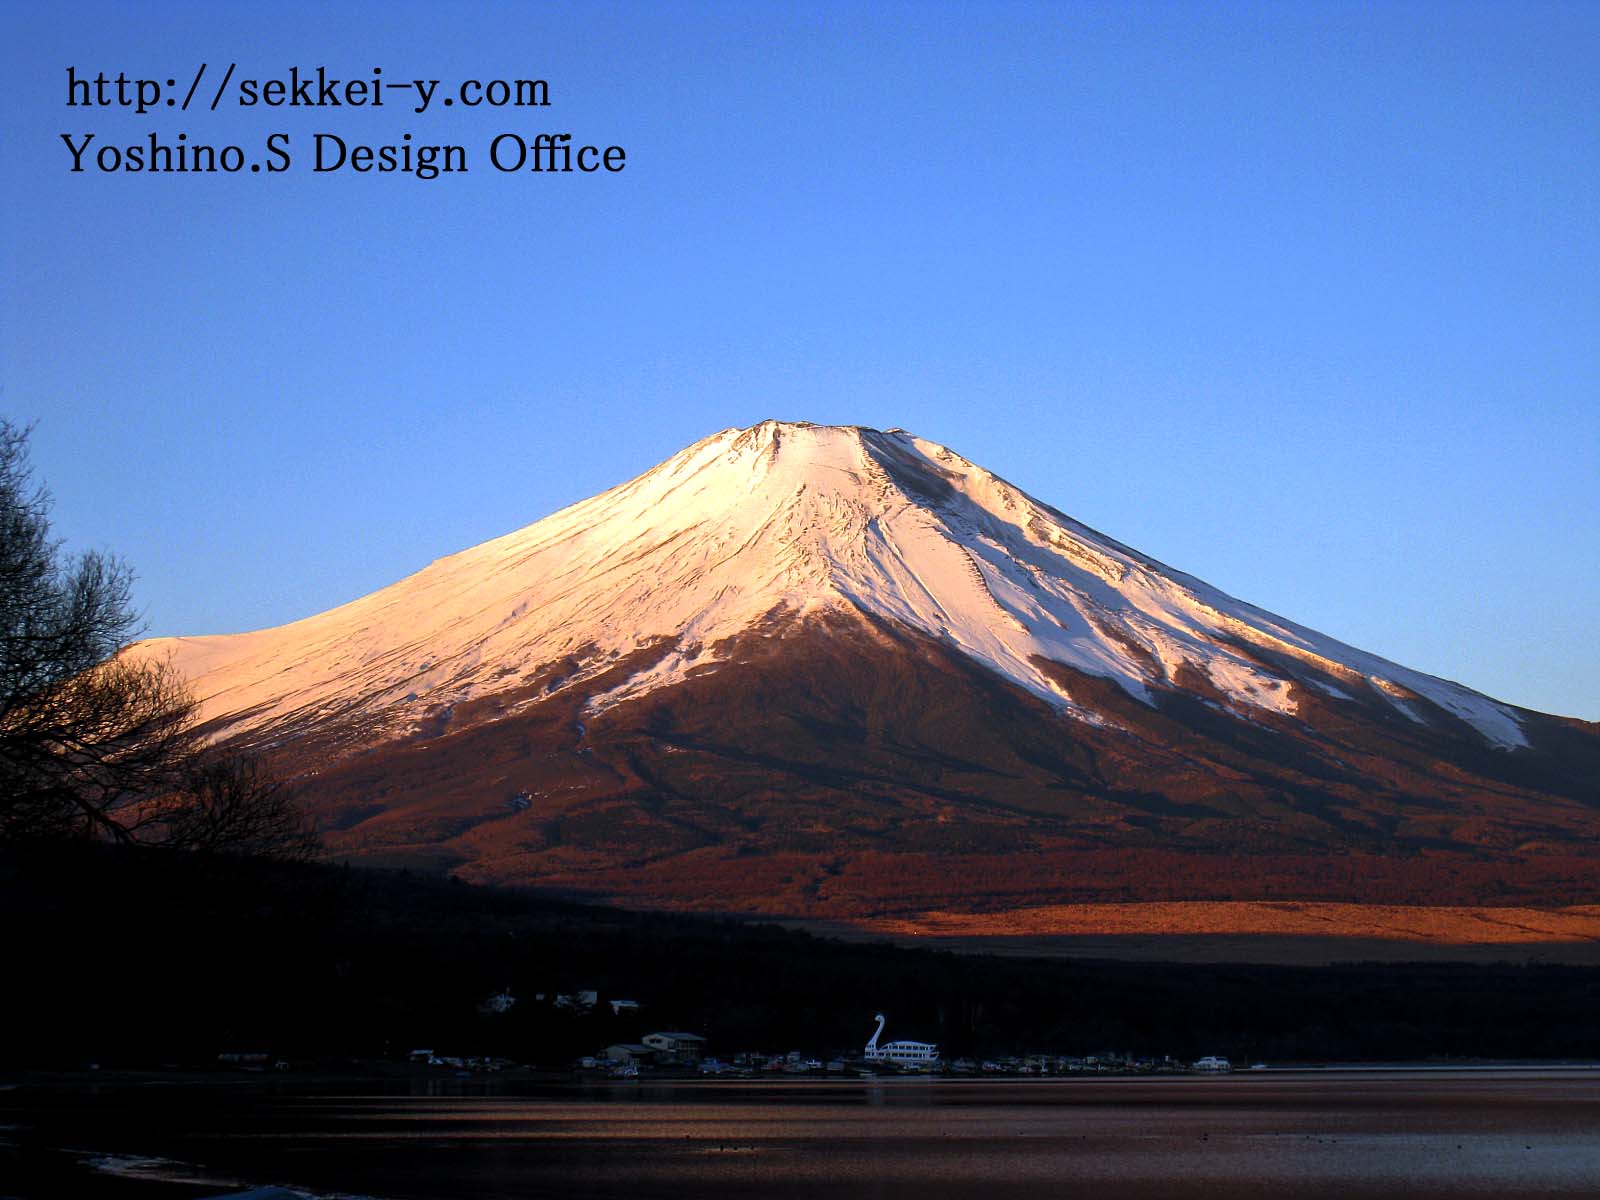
x,y
129,958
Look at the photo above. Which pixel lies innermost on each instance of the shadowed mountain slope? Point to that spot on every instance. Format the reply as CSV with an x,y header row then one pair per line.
x,y
833,671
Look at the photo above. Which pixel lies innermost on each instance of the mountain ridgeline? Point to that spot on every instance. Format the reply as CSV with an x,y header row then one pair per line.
x,y
826,671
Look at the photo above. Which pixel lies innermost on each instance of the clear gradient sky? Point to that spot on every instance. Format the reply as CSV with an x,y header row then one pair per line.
x,y
1303,299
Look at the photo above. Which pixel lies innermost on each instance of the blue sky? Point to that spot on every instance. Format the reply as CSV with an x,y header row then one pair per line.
x,y
1299,298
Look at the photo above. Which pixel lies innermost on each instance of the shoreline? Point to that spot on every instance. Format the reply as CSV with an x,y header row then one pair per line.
x,y
13,1083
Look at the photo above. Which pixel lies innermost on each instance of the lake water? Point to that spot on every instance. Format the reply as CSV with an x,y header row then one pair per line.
x,y
1347,1134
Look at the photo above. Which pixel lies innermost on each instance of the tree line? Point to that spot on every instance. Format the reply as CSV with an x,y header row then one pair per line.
x,y
319,964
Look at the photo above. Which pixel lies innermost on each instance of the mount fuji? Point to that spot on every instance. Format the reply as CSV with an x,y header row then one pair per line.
x,y
836,671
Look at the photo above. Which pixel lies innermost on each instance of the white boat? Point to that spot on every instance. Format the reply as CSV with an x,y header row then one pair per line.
x,y
913,1056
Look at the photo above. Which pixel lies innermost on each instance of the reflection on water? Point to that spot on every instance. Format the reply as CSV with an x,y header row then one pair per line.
x,y
1360,1134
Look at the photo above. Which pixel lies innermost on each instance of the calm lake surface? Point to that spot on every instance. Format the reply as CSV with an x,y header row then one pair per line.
x,y
1414,1133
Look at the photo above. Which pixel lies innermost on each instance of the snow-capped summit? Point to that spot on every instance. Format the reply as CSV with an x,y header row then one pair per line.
x,y
751,528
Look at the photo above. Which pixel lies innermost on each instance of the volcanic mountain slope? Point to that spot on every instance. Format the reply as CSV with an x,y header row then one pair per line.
x,y
835,671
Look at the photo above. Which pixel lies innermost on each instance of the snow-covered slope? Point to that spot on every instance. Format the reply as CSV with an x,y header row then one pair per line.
x,y
782,519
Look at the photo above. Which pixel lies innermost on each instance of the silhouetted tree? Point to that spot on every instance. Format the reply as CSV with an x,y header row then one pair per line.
x,y
95,742
229,802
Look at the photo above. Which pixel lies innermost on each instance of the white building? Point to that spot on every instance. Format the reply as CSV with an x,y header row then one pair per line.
x,y
678,1047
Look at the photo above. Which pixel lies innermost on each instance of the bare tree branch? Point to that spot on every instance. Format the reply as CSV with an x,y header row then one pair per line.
x,y
95,743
